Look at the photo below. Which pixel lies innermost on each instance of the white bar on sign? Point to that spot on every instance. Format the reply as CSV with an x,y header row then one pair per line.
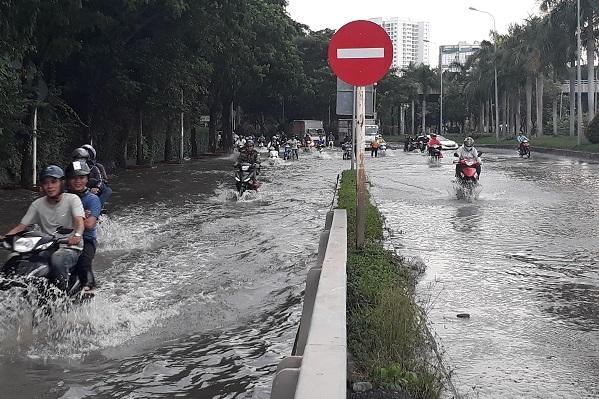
x,y
374,52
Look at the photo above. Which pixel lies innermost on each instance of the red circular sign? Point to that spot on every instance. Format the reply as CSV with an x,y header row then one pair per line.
x,y
360,53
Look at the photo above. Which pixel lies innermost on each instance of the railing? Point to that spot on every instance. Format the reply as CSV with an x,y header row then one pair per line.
x,y
318,365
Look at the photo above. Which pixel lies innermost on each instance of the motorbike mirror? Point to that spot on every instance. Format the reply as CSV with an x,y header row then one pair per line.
x,y
64,230
455,154
480,153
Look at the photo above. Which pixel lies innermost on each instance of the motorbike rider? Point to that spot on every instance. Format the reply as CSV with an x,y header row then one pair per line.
x,y
521,139
77,176
106,191
249,155
331,139
467,151
56,209
294,143
432,142
274,143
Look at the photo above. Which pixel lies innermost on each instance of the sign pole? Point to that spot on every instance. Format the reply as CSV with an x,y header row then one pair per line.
x,y
353,131
361,176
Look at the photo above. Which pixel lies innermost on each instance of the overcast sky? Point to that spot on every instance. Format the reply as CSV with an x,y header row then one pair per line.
x,y
450,20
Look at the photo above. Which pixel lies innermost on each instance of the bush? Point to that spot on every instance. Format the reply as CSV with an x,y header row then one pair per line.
x,y
592,130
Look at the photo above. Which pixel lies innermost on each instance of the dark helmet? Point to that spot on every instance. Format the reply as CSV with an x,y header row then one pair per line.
x,y
77,168
249,143
80,153
52,171
90,150
433,135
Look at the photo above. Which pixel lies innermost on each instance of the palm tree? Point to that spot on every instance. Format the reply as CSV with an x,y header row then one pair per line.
x,y
425,78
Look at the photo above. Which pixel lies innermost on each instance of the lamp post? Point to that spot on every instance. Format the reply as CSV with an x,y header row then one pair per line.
x,y
578,75
495,70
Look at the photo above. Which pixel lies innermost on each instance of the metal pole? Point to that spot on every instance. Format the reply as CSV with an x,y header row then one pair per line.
x,y
353,132
181,145
34,148
361,176
441,92
578,75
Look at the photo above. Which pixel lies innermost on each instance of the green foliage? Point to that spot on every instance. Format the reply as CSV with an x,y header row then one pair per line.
x,y
387,334
592,130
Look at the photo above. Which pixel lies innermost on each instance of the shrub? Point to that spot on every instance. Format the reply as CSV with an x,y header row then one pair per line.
x,y
592,130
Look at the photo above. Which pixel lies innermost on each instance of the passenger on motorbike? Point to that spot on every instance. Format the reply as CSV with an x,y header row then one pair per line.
x,y
467,151
56,209
106,191
77,177
95,183
249,155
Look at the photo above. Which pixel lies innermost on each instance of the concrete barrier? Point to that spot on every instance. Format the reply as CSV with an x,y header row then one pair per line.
x,y
318,368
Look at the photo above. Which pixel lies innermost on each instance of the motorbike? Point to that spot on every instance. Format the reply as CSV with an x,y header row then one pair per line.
x,y
382,149
287,152
273,153
243,178
347,150
467,176
29,264
435,154
524,149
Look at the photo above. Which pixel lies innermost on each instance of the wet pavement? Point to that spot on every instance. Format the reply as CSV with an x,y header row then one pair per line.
x,y
201,294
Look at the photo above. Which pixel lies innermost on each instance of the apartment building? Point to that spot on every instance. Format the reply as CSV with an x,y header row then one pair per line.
x,y
410,40
451,53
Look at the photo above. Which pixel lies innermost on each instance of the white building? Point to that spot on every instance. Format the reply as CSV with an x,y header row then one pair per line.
x,y
410,40
457,53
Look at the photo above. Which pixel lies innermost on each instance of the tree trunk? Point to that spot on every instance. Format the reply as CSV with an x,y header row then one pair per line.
x,y
503,112
140,140
528,88
194,142
518,112
413,117
590,66
213,111
540,85
481,121
423,113
227,135
554,116
572,98
487,117
168,142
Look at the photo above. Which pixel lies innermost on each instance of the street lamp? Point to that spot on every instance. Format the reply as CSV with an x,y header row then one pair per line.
x,y
495,70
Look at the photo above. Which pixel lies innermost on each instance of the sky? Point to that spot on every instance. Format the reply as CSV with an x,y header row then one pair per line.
x,y
450,20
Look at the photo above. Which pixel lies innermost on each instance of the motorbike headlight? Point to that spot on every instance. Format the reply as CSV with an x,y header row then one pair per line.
x,y
25,244
245,168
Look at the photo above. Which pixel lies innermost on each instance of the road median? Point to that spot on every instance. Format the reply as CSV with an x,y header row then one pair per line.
x,y
387,335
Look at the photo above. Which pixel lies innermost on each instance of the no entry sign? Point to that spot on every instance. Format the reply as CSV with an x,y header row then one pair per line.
x,y
360,53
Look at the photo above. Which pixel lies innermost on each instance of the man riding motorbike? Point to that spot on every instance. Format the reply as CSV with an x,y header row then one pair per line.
x,y
521,139
77,176
249,155
56,209
432,145
467,151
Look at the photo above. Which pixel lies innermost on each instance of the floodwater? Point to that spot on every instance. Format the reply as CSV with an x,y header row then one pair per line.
x,y
200,294
521,260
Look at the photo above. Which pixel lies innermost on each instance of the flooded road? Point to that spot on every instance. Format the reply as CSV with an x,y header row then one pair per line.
x,y
521,259
201,295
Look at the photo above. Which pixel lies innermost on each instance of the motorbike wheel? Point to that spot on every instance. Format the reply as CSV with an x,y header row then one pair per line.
x,y
527,153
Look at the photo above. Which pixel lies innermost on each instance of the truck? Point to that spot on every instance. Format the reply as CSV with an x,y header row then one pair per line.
x,y
301,127
370,126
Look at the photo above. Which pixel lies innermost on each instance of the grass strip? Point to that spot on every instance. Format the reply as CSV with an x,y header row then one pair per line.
x,y
387,334
556,142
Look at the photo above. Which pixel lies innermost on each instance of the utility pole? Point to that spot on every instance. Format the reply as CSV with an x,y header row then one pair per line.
x,y
578,75
353,131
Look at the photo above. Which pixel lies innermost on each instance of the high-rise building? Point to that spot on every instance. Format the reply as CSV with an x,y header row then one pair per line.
x,y
410,40
459,53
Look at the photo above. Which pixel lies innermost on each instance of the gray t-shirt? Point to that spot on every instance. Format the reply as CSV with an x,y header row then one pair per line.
x,y
50,216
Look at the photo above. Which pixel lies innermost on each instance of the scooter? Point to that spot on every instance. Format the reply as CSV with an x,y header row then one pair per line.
x,y
435,154
273,153
347,150
524,149
243,178
29,263
467,176
382,149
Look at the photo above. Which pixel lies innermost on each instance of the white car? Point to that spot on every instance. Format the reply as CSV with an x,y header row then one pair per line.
x,y
446,144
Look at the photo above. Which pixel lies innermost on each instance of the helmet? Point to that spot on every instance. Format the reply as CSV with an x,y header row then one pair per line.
x,y
80,153
433,135
52,171
249,143
77,168
90,150
468,142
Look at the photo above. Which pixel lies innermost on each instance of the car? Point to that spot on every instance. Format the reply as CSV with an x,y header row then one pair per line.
x,y
446,144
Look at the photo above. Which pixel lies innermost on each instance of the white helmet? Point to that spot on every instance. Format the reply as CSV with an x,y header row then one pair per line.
x,y
468,143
